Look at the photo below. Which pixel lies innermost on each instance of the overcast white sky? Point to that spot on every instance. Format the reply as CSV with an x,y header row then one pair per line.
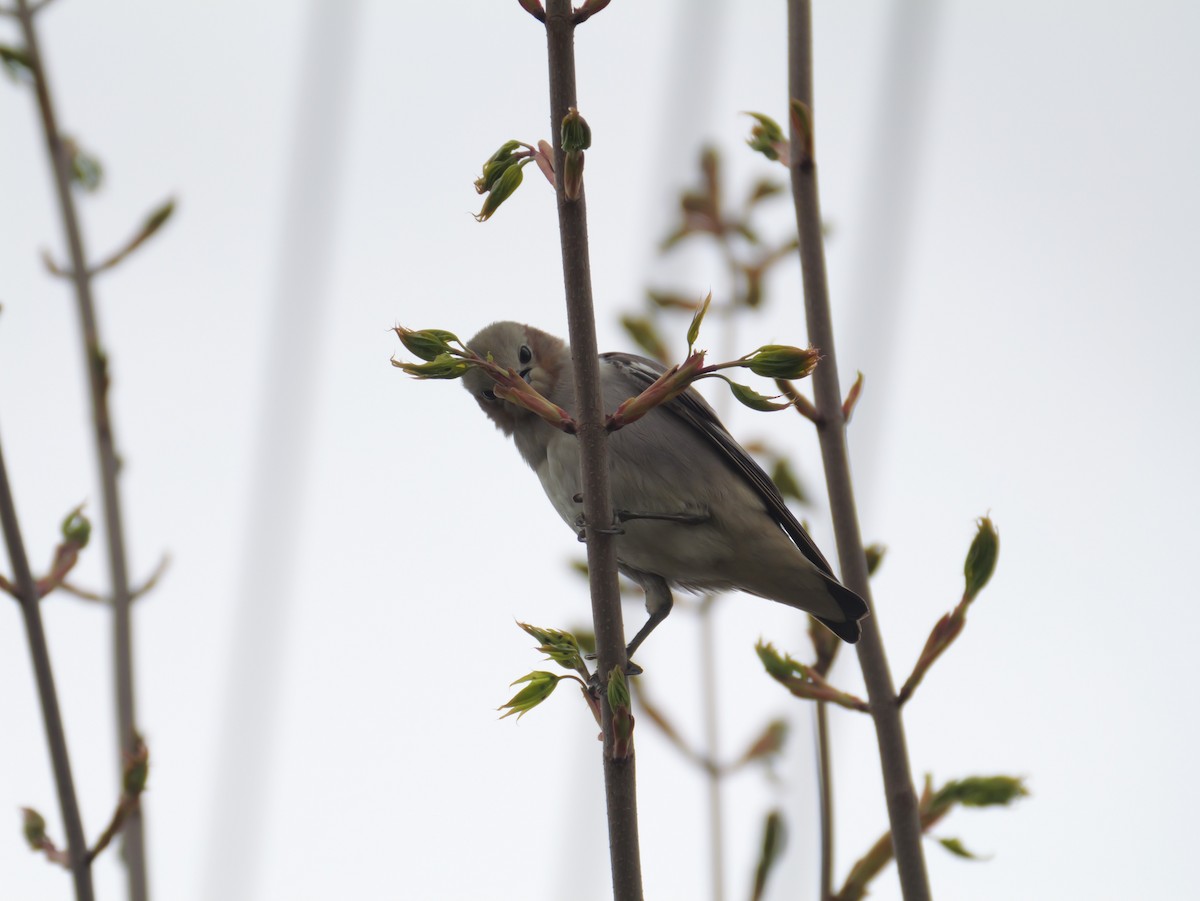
x,y
1027,349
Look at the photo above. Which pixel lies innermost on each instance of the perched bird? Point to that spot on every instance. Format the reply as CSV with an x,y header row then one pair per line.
x,y
693,507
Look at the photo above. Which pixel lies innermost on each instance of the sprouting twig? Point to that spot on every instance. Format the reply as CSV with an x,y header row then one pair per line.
x,y
619,774
96,363
56,737
897,777
146,587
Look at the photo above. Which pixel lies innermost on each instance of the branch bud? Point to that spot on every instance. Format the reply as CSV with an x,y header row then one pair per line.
x,y
781,361
981,557
576,133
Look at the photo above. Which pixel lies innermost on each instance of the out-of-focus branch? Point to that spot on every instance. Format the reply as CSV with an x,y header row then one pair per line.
x,y
96,364
56,738
889,729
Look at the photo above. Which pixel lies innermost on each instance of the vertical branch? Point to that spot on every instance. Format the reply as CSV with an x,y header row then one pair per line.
x,y
56,738
619,775
825,790
712,734
95,362
889,729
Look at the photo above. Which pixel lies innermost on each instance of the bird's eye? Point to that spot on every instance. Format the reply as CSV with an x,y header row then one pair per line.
x,y
489,394
524,354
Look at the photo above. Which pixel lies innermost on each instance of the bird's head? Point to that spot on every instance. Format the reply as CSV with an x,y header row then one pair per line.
x,y
541,359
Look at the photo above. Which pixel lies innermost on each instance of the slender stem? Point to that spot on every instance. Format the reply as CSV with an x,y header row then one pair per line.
x,y
889,728
825,792
56,738
708,694
97,369
619,773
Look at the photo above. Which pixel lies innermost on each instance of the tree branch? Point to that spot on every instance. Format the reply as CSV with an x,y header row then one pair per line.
x,y
96,365
56,737
889,729
619,773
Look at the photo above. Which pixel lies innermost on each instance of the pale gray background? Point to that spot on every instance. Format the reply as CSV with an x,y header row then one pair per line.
x,y
1028,352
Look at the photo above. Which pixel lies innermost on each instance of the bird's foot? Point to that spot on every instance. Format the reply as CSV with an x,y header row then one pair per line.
x,y
595,685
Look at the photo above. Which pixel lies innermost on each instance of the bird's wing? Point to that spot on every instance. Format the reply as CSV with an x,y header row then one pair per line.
x,y
693,410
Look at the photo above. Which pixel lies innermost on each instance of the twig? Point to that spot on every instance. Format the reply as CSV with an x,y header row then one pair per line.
x,y
146,587
825,794
56,738
96,365
889,729
708,692
619,773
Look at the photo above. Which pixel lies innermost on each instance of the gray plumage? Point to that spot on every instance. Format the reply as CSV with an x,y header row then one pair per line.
x,y
725,523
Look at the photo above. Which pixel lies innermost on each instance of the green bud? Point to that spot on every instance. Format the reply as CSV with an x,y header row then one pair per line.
x,y
781,361
981,557
76,529
34,827
576,134
506,150
693,331
443,366
508,182
618,690
561,647
428,343
766,136
777,665
493,170
158,218
541,686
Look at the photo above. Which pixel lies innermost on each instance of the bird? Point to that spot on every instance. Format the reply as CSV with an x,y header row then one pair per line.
x,y
694,510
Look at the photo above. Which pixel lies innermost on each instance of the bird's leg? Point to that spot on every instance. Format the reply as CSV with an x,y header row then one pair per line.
x,y
581,530
687,519
581,523
658,605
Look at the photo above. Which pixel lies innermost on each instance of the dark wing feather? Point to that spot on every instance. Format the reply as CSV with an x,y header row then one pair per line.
x,y
695,411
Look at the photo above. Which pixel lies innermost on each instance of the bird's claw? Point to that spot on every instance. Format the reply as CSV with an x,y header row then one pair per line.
x,y
581,533
594,684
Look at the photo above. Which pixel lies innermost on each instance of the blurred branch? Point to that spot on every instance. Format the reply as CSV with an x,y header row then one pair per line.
x,y
145,588
56,738
885,709
96,364
974,791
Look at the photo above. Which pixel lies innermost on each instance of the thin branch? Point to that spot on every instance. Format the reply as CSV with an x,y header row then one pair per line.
x,y
619,772
151,582
708,693
97,368
56,737
825,794
897,776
